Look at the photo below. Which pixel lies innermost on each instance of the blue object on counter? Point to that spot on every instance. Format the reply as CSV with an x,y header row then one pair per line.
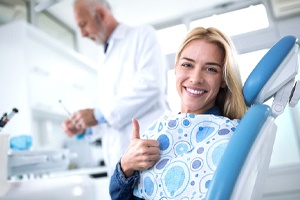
x,y
20,142
80,136
86,132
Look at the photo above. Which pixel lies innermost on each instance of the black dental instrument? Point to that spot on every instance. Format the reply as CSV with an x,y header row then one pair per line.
x,y
69,113
7,117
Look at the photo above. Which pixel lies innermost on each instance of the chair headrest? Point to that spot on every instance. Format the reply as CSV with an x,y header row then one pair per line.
x,y
266,68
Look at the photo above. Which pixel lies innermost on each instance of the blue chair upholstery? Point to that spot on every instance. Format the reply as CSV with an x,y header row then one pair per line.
x,y
267,66
242,170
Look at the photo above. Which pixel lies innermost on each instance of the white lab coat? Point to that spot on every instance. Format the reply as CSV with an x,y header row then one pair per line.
x,y
132,84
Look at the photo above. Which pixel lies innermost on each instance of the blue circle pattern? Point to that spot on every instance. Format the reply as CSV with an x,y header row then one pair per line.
x,y
191,147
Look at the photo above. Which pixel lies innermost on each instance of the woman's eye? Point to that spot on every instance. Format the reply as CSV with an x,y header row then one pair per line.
x,y
186,65
211,69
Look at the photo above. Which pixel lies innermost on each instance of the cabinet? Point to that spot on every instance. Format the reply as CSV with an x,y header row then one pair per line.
x,y
36,72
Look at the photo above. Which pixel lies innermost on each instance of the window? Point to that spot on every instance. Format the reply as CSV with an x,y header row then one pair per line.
x,y
56,29
44,21
248,61
10,13
237,22
170,38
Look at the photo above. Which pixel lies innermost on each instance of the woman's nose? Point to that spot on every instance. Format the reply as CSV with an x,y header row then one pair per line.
x,y
196,77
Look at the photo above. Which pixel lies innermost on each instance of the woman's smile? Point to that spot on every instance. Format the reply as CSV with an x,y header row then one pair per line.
x,y
195,91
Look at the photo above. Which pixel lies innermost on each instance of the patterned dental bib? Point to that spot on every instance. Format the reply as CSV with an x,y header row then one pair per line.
x,y
191,147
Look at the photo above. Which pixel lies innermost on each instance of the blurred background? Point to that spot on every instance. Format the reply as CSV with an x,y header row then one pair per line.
x,y
45,61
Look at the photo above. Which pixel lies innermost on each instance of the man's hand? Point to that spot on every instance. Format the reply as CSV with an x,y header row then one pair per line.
x,y
79,121
141,153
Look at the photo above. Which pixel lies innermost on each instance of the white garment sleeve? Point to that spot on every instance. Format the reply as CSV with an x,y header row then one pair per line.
x,y
147,87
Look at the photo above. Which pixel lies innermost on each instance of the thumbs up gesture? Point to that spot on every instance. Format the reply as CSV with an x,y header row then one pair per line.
x,y
135,129
141,154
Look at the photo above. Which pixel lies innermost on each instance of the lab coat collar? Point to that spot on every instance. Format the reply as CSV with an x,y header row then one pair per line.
x,y
119,32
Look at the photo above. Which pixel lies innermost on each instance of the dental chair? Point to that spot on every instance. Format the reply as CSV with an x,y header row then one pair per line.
x,y
243,168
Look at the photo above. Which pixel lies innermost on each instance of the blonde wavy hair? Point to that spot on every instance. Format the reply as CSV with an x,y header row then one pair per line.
x,y
230,99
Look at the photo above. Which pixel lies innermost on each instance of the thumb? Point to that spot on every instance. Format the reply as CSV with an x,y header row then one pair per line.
x,y
135,129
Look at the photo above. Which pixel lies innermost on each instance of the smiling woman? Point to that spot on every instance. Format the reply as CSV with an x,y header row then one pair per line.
x,y
178,154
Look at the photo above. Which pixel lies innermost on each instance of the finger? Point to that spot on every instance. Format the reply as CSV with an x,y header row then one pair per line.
x,y
67,127
73,117
64,126
153,151
76,118
146,165
79,126
151,158
152,143
135,129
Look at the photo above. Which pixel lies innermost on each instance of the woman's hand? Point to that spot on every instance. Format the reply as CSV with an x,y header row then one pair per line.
x,y
141,153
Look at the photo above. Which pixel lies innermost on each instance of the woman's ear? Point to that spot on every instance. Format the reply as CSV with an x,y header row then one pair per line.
x,y
223,84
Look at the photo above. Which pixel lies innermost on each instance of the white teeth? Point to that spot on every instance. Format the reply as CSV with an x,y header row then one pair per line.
x,y
195,91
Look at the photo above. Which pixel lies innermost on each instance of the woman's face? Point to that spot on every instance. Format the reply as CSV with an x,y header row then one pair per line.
x,y
199,76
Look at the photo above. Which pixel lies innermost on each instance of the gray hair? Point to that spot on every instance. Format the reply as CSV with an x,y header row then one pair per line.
x,y
92,3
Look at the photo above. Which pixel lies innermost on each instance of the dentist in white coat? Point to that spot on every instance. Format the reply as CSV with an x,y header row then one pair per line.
x,y
132,80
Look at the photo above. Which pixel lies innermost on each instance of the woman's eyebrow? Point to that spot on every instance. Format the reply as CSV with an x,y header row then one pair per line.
x,y
213,63
208,63
188,59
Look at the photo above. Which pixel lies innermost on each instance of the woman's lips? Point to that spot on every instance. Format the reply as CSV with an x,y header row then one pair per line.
x,y
195,91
